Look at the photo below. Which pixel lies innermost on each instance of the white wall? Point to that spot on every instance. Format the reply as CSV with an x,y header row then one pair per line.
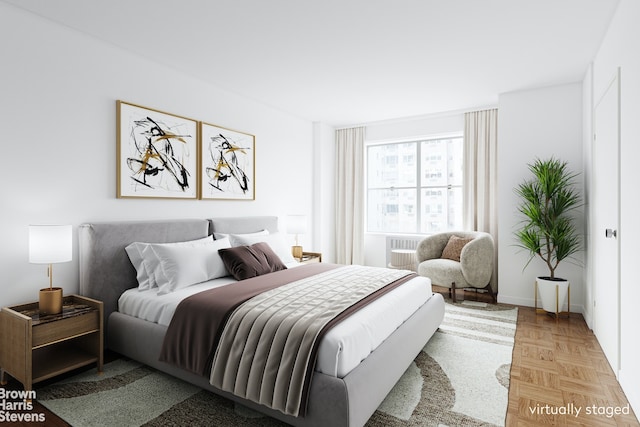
x,y
587,140
535,123
409,128
58,104
620,49
416,127
324,188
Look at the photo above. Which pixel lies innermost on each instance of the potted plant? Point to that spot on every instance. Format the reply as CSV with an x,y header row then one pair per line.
x,y
548,229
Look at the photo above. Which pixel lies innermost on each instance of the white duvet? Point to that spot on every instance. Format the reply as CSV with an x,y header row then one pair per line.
x,y
341,349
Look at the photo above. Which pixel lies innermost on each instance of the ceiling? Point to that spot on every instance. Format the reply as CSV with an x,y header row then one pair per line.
x,y
345,62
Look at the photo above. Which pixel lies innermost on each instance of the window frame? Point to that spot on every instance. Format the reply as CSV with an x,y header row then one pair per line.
x,y
419,187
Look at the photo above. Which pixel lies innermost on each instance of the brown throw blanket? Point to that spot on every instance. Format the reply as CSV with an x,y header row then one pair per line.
x,y
191,339
268,348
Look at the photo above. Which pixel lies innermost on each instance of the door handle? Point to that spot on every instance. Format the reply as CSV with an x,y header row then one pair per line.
x,y
610,234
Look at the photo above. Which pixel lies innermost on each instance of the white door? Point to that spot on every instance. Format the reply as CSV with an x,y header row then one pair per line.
x,y
606,214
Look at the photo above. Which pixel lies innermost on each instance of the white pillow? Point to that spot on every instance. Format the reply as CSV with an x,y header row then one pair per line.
x,y
275,241
223,235
146,262
178,265
145,280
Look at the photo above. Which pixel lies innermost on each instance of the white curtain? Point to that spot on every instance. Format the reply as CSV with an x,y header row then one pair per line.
x,y
480,192
350,196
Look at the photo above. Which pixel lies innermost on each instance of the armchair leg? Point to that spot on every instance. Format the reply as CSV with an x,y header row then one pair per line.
x,y
453,292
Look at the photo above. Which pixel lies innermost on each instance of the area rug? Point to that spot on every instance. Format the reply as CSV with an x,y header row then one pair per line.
x,y
461,378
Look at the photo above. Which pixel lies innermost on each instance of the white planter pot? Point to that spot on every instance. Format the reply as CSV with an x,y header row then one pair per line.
x,y
553,294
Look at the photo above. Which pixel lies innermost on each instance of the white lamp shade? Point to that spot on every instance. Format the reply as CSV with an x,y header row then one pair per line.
x,y
296,224
49,244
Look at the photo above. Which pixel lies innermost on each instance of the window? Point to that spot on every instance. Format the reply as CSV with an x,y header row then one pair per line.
x,y
415,187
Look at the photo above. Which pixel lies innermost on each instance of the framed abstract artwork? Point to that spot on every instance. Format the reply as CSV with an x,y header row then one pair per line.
x,y
157,154
228,163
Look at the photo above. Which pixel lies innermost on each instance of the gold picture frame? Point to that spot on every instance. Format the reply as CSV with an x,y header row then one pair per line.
x,y
157,154
227,168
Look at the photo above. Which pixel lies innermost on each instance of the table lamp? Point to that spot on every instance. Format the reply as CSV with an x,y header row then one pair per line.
x,y
296,224
50,244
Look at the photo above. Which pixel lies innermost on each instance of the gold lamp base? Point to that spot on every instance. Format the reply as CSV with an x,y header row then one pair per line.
x,y
296,251
50,301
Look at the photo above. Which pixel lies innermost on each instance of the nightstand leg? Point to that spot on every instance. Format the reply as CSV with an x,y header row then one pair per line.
x,y
3,377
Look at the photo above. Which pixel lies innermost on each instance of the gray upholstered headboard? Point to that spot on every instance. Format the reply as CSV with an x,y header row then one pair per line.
x,y
246,224
105,269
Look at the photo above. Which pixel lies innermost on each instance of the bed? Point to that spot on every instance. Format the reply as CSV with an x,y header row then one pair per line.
x,y
334,398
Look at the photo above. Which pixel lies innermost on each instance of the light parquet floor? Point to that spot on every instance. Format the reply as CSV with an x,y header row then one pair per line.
x,y
560,376
559,373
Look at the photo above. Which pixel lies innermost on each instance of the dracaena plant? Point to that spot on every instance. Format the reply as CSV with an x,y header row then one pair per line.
x,y
548,201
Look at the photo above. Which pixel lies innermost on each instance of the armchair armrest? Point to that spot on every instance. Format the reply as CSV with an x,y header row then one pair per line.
x,y
476,260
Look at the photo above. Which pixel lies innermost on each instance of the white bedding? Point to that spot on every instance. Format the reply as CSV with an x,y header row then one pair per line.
x,y
341,349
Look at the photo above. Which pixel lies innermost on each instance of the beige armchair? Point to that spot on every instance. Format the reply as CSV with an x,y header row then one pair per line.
x,y
473,268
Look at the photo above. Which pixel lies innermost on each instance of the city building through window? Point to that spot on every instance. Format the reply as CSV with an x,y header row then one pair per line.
x,y
415,187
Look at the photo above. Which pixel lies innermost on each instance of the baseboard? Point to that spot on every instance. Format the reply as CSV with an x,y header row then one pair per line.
x,y
588,317
530,302
526,302
577,308
630,387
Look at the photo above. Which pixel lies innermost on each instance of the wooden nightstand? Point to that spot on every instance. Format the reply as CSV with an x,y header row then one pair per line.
x,y
34,348
310,257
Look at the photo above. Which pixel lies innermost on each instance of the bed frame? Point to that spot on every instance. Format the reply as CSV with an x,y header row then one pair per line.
x,y
105,272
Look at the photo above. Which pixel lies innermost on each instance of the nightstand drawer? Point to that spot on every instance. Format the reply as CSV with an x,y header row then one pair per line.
x,y
50,332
